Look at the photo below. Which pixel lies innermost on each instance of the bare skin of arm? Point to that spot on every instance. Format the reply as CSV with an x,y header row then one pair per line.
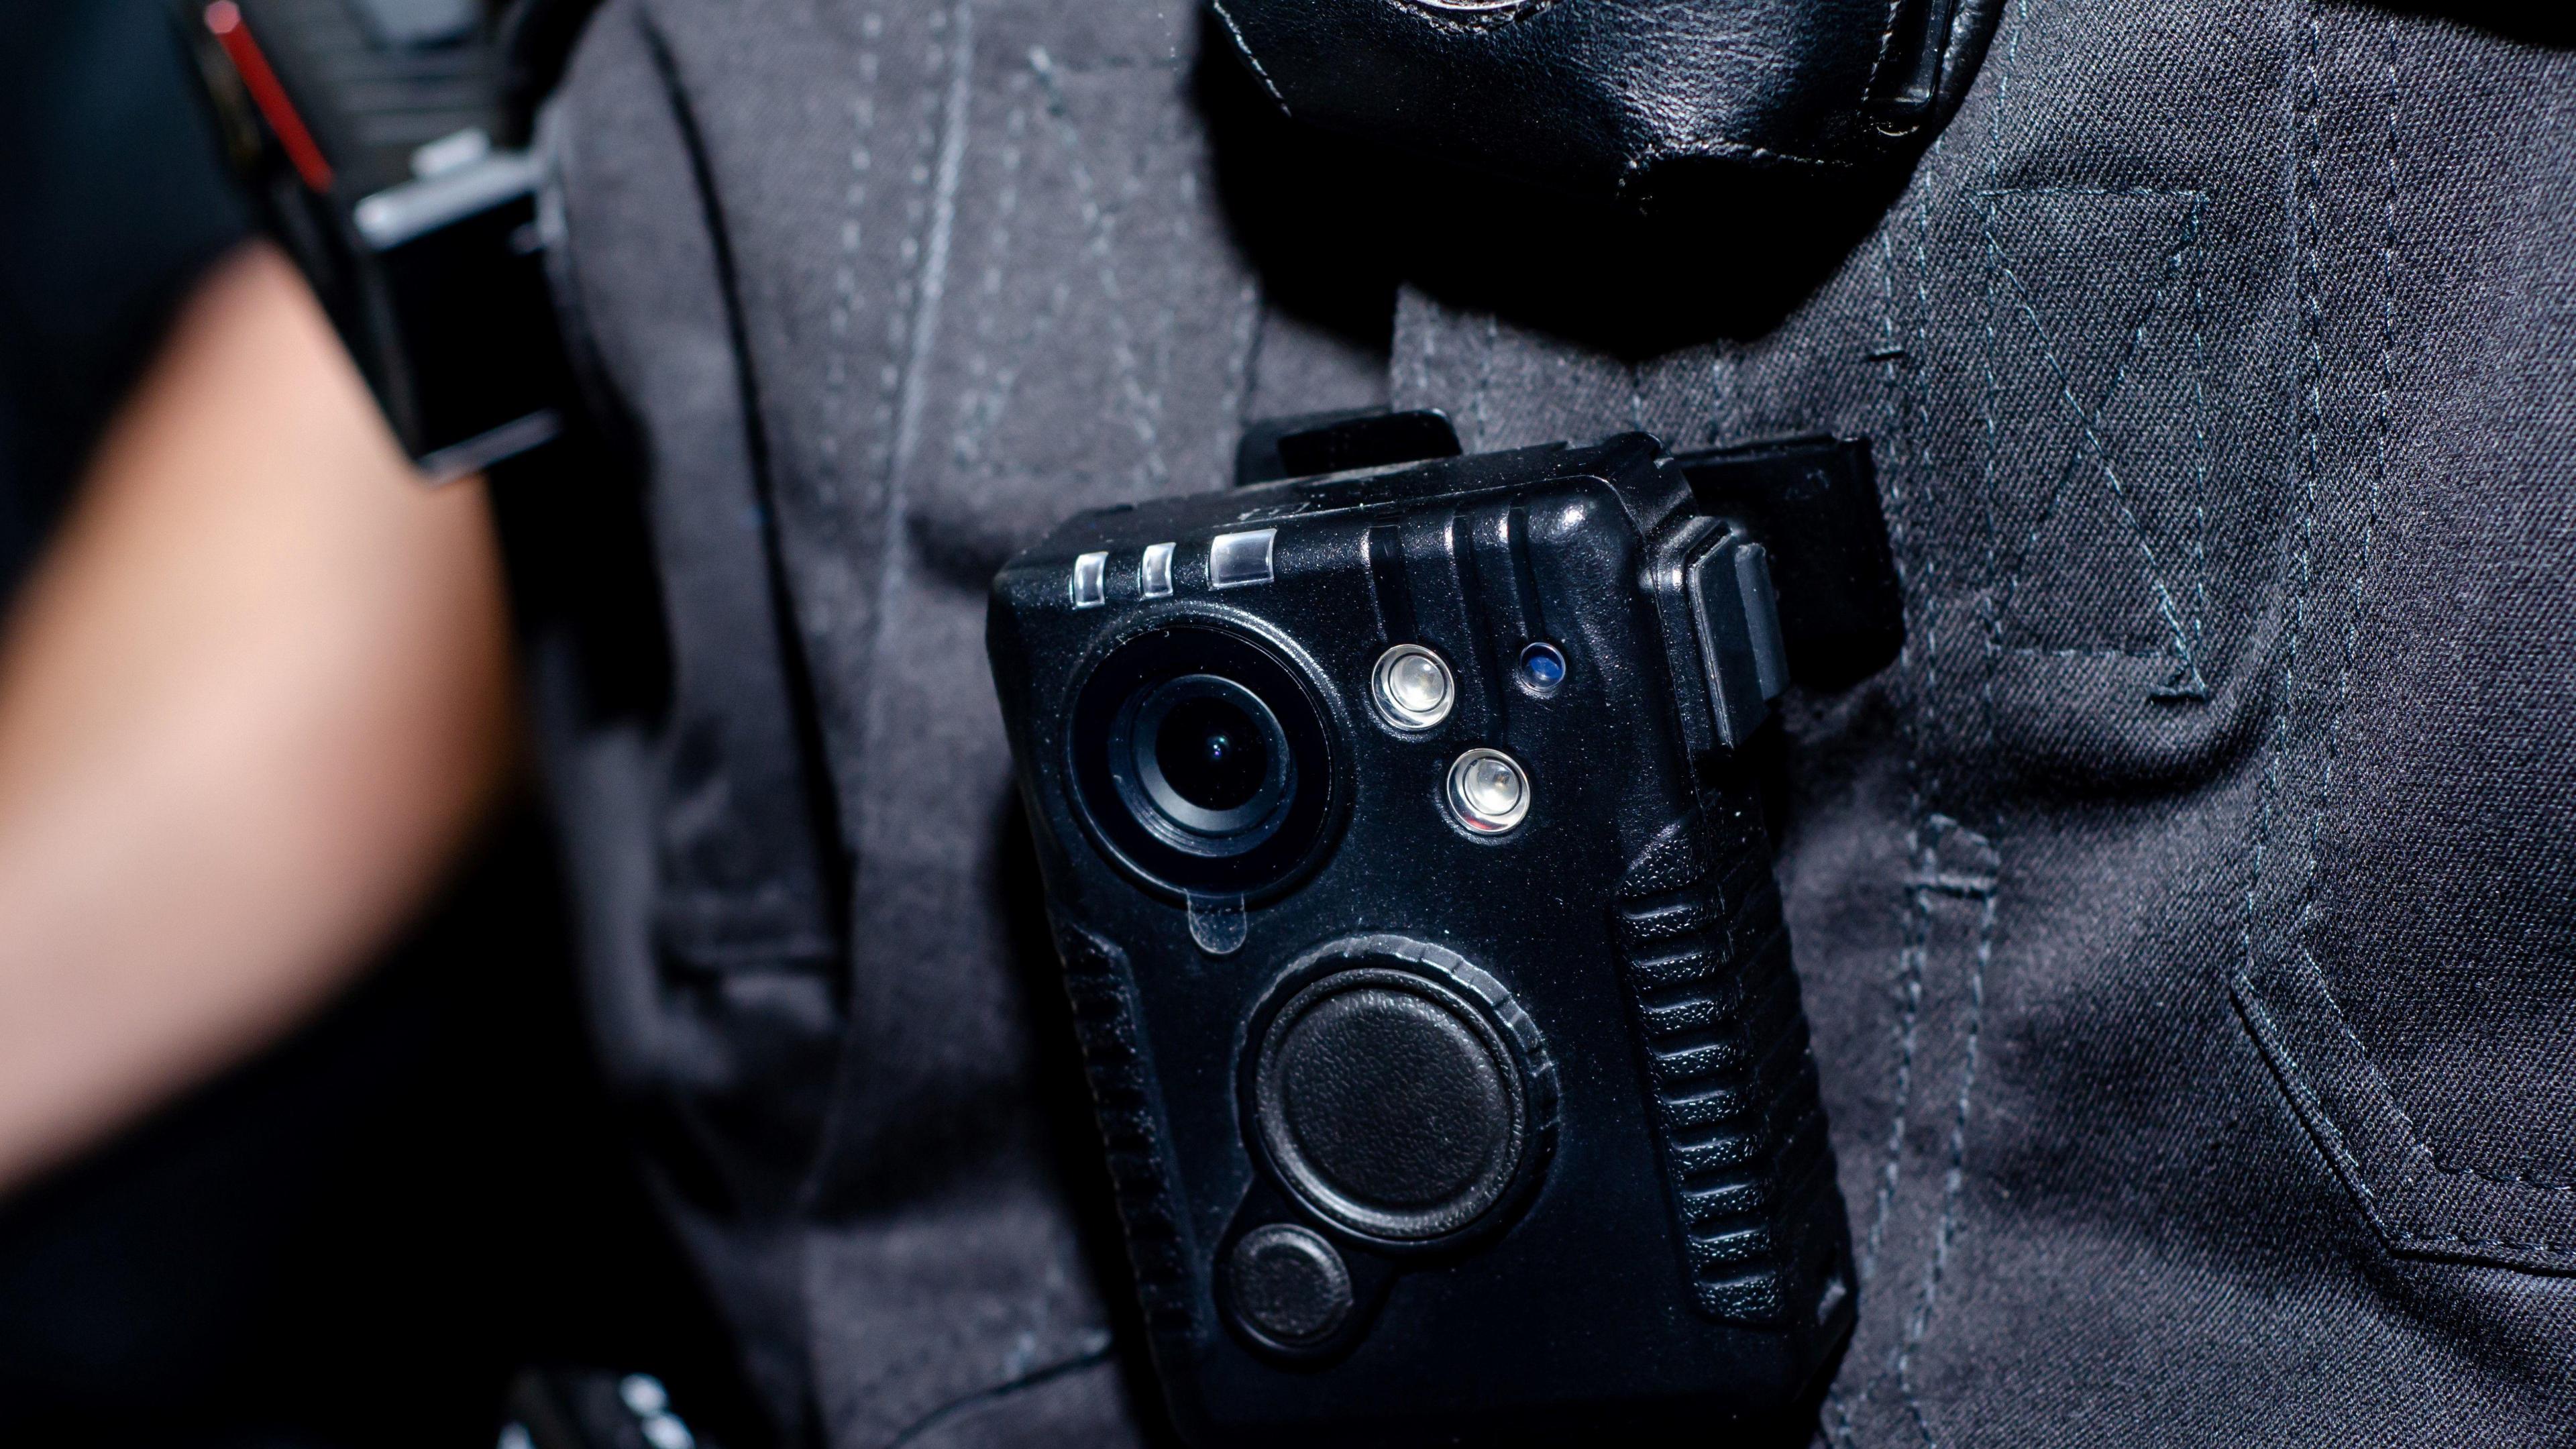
x,y
252,705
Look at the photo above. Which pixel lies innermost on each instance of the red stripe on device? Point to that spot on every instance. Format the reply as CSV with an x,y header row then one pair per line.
x,y
224,20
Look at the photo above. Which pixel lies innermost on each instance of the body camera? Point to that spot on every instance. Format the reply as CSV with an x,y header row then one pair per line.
x,y
1419,921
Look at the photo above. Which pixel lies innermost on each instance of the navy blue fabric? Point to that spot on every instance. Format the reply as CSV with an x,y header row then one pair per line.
x,y
112,198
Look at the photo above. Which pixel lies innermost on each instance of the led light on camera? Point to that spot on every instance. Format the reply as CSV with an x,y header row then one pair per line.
x,y
1489,791
1543,665
1413,687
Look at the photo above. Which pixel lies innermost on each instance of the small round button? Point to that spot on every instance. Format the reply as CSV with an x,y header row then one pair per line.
x,y
1288,1285
1488,791
1413,687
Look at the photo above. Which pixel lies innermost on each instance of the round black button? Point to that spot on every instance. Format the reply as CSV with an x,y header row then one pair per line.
x,y
1288,1285
1391,1103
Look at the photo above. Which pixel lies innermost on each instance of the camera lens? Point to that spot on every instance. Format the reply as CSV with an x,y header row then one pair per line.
x,y
1211,754
1208,757
1203,762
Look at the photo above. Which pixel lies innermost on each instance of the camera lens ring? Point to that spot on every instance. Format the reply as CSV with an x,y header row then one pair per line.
x,y
1203,808
1267,684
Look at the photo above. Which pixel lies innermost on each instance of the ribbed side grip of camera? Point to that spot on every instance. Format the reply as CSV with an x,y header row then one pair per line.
x,y
1103,993
1741,1127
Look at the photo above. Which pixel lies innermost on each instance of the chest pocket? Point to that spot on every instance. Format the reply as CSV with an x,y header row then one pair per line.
x,y
2411,971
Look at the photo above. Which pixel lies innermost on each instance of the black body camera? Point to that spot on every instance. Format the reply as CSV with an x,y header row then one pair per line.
x,y
382,142
1418,916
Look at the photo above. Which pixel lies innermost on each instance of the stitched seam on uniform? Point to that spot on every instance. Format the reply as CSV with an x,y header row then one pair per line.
x,y
912,325
1910,957
1157,355
987,395
1144,408
956,121
902,319
1900,427
1926,467
2549,1247
2352,622
2337,1146
2300,240
907,293
2088,420
1923,782
1954,1186
2410,1134
2304,183
2302,225
1908,967
842,317
2260,827
2303,177
1922,777
2506,1179
2268,1032
2198,542
1904,386
1999,590
2361,568
1004,391
1910,950
2072,653
1918,1325
2200,436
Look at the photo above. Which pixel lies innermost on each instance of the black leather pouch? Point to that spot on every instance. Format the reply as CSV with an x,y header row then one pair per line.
x,y
1652,103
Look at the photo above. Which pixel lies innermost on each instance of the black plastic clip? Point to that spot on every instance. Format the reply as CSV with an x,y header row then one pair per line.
x,y
1303,446
1812,503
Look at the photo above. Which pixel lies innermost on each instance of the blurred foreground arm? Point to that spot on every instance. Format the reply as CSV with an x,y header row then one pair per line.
x,y
251,705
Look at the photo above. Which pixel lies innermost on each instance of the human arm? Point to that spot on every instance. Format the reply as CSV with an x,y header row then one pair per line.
x,y
252,704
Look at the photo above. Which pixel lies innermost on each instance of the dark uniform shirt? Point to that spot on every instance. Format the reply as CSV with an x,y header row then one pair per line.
x,y
2184,919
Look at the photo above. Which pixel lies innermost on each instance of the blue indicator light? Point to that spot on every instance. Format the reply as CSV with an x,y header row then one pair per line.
x,y
1543,666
